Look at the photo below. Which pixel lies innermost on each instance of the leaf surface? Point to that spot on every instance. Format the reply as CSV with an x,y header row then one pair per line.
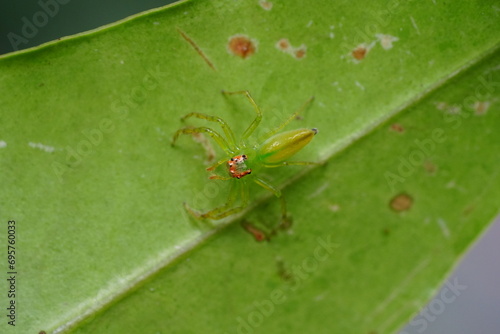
x,y
409,175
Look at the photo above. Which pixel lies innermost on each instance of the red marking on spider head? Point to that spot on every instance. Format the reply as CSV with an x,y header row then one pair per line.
x,y
237,167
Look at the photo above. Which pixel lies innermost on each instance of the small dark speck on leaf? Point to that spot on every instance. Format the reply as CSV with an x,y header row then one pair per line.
x,y
397,127
430,168
283,44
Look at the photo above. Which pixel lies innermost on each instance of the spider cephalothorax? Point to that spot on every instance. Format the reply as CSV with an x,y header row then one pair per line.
x,y
237,167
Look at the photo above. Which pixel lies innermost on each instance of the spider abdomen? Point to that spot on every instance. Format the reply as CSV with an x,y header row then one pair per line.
x,y
283,145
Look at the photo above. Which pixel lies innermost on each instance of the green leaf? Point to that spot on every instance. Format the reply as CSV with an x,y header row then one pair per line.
x,y
409,175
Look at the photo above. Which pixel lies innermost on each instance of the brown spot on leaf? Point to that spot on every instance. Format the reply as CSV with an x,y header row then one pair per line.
x,y
296,52
283,44
300,52
401,202
397,127
481,107
430,168
241,46
359,52
266,4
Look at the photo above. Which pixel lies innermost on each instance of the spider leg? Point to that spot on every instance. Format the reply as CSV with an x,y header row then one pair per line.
x,y
212,133
227,130
276,192
217,164
251,128
227,209
291,163
291,118
218,177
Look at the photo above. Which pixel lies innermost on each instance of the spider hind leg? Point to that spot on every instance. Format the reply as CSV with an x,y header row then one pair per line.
x,y
286,220
228,208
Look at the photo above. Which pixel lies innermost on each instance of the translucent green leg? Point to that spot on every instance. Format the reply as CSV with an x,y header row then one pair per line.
x,y
218,177
291,163
217,164
225,210
227,130
276,192
212,133
291,118
251,128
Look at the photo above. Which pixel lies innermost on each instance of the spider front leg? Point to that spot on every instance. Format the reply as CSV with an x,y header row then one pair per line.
x,y
227,209
227,130
217,164
295,115
212,133
251,128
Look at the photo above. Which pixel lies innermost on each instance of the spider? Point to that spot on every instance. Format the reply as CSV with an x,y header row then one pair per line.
x,y
244,161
